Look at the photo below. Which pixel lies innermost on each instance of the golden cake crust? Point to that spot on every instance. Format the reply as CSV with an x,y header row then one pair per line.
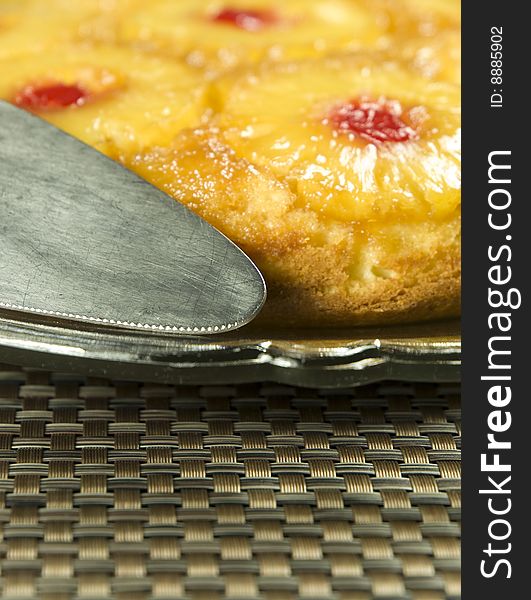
x,y
434,295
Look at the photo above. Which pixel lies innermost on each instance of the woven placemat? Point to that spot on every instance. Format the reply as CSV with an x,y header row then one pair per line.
x,y
145,491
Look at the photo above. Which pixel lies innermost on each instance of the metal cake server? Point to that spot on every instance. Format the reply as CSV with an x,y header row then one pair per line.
x,y
84,239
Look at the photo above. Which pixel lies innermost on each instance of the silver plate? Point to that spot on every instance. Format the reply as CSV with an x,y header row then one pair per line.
x,y
313,358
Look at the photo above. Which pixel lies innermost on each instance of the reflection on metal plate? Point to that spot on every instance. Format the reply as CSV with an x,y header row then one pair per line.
x,y
333,358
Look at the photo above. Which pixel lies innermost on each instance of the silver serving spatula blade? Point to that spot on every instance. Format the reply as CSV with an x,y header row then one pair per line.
x,y
82,238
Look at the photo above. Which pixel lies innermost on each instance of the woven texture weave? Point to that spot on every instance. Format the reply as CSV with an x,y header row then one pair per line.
x,y
144,491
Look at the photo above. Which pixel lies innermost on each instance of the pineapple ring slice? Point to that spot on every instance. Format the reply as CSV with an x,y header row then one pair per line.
x,y
222,34
125,101
287,118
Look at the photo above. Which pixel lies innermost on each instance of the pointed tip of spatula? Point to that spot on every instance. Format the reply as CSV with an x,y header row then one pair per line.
x,y
85,239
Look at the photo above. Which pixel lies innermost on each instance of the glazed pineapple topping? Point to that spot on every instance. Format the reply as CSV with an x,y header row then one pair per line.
x,y
375,122
50,97
354,139
250,20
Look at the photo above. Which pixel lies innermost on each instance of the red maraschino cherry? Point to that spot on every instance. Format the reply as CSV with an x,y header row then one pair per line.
x,y
250,20
375,122
50,97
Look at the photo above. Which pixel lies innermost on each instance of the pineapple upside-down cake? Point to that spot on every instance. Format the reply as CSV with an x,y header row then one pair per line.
x,y
322,136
